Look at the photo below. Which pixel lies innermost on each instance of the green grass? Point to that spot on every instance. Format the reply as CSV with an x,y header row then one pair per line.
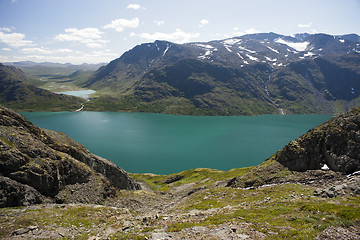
x,y
85,217
208,176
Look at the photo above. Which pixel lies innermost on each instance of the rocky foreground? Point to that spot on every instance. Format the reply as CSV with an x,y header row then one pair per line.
x,y
52,187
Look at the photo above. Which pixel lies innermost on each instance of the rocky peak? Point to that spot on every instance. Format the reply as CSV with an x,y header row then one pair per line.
x,y
334,144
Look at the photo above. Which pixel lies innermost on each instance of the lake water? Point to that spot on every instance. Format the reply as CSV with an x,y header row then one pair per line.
x,y
164,144
81,93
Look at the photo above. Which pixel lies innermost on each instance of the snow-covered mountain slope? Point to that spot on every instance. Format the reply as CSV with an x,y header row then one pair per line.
x,y
252,74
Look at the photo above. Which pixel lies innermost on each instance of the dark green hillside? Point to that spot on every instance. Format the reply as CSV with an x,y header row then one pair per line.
x,y
16,92
319,85
253,74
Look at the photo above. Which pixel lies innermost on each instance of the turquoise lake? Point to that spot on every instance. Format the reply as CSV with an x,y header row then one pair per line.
x,y
164,144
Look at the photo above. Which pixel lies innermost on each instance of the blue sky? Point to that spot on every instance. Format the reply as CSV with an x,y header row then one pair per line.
x,y
92,31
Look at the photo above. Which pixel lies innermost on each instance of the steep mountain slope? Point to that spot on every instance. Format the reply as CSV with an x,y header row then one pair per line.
x,y
252,74
16,92
38,164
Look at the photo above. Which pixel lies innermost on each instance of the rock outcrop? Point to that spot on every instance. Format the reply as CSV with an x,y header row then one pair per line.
x,y
38,164
335,143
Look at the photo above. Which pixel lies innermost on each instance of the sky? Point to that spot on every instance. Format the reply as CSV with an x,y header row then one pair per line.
x,y
98,31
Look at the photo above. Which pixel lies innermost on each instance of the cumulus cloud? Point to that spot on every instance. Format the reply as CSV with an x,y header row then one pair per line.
x,y
308,25
178,36
91,37
203,22
159,22
14,39
134,6
6,49
120,24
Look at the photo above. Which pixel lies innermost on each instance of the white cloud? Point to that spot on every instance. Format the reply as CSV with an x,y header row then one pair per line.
x,y
6,49
178,36
159,22
76,57
5,29
14,39
120,24
64,50
42,50
203,22
134,6
91,37
36,50
247,31
308,25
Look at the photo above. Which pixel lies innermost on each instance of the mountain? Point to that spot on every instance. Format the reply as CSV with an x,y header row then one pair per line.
x,y
39,165
17,92
31,64
248,75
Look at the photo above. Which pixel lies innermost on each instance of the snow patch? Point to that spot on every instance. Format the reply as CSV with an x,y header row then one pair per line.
x,y
298,46
325,167
341,40
167,48
240,56
206,55
250,51
246,62
309,54
204,46
252,58
227,48
274,50
271,60
231,41
352,90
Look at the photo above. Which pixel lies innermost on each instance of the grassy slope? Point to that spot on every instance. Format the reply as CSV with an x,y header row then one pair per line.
x,y
285,211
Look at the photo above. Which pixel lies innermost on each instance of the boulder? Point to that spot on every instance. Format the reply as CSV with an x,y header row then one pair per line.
x,y
335,144
48,161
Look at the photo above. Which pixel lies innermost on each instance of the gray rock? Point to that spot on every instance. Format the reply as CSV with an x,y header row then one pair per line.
x,y
49,161
13,194
334,143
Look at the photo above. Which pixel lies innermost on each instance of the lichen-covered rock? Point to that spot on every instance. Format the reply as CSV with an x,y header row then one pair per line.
x,y
335,143
13,193
49,161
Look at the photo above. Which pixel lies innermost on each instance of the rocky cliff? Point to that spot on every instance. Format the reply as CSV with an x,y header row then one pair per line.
x,y
335,143
39,165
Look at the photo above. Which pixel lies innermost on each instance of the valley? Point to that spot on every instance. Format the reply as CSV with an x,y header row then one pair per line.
x,y
53,187
255,74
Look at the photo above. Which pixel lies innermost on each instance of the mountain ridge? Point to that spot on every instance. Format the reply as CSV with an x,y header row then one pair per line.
x,y
264,61
17,92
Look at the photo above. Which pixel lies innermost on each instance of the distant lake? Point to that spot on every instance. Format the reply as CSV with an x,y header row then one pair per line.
x,y
164,144
81,93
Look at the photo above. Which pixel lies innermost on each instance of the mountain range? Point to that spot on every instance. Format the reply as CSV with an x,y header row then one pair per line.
x,y
265,73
